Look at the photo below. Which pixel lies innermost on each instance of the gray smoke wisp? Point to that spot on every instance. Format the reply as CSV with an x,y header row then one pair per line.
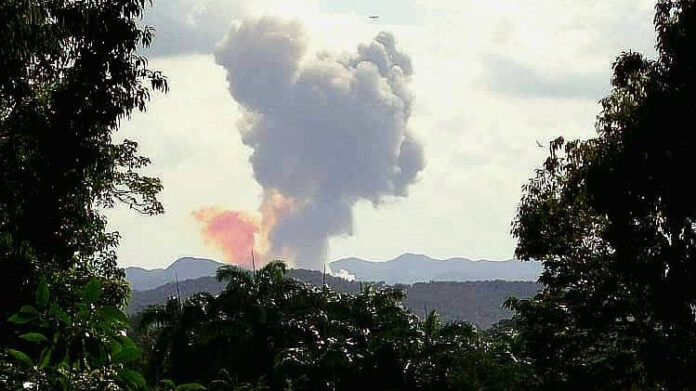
x,y
326,131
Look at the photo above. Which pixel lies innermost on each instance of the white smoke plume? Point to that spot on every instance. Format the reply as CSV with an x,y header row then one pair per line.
x,y
326,131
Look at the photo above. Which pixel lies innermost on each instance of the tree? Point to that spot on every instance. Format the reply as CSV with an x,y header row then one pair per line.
x,y
267,331
79,348
69,73
171,335
613,220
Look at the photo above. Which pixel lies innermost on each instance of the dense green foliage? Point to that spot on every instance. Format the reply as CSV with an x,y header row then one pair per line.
x,y
613,220
77,348
475,302
69,73
269,329
80,348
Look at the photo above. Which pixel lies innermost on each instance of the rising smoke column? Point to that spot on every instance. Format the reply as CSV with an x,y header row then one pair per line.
x,y
326,131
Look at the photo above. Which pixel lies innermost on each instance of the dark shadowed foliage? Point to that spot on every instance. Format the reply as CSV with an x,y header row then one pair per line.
x,y
68,74
476,302
264,328
613,220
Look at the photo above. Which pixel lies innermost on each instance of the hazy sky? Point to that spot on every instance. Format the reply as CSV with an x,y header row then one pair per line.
x,y
490,79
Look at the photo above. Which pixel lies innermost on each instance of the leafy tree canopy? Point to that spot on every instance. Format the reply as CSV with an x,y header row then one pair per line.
x,y
613,220
267,330
69,73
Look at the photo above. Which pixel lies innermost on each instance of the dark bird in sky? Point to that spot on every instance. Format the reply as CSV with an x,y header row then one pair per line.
x,y
373,17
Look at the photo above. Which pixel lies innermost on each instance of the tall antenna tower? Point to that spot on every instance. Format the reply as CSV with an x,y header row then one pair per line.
x,y
253,263
178,291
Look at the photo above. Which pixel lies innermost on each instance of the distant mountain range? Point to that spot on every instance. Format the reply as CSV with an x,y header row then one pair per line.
x,y
458,289
143,298
405,269
411,268
182,269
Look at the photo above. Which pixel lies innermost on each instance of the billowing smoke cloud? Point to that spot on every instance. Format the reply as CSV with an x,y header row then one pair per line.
x,y
326,131
190,26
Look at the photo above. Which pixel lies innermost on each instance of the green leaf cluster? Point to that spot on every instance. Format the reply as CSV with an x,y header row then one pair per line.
x,y
83,347
77,347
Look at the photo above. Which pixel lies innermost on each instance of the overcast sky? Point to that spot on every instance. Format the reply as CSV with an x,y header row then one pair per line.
x,y
490,79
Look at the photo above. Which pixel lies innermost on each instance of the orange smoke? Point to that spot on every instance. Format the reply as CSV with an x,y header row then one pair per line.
x,y
237,233
234,233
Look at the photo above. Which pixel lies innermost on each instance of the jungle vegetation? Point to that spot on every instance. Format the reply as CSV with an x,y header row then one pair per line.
x,y
611,217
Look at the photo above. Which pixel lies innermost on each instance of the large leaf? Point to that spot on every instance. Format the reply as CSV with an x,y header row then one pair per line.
x,y
92,291
126,354
42,293
45,357
113,314
125,341
25,315
34,337
65,361
114,347
21,356
20,318
189,387
28,310
168,384
61,315
132,378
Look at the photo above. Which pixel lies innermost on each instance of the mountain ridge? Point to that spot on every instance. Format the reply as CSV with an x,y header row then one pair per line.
x,y
411,268
185,268
407,268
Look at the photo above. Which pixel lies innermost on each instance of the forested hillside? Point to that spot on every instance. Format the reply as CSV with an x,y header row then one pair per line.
x,y
268,331
477,302
612,218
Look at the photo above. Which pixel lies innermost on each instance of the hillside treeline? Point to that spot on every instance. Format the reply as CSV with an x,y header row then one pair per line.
x,y
612,218
477,302
267,330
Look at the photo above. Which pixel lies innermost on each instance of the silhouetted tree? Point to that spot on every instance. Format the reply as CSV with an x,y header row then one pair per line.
x,y
69,73
613,220
172,349
267,330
